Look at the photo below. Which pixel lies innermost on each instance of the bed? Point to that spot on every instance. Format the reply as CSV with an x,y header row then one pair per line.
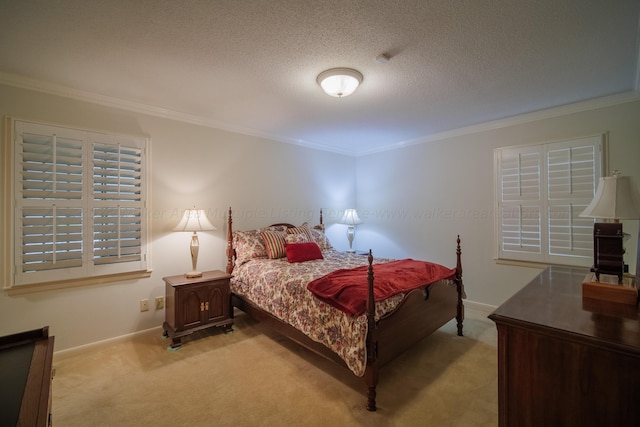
x,y
275,289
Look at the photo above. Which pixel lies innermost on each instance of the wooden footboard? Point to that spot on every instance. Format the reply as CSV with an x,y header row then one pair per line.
x,y
422,312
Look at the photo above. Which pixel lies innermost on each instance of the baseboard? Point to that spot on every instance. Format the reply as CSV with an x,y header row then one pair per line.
x,y
468,304
478,306
103,343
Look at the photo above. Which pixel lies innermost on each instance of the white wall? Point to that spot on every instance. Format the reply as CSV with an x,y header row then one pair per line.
x,y
415,200
264,181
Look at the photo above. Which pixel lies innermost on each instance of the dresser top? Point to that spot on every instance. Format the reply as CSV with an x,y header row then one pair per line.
x,y
553,303
207,276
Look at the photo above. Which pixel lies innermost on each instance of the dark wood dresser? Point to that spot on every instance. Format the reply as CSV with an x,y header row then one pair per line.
x,y
25,378
564,360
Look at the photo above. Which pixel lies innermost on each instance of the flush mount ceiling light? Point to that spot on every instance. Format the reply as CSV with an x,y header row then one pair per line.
x,y
339,82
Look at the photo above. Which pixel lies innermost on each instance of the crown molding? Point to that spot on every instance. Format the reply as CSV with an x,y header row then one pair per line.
x,y
108,101
136,107
592,104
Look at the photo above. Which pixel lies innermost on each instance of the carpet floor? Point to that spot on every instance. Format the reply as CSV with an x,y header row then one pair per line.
x,y
255,377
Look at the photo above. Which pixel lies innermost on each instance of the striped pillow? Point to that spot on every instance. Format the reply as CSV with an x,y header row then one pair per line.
x,y
303,229
274,241
250,244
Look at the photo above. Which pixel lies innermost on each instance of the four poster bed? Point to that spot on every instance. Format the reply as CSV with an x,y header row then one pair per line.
x,y
292,279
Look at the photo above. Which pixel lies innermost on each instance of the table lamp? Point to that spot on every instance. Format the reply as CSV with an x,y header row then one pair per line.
x,y
194,220
351,219
615,199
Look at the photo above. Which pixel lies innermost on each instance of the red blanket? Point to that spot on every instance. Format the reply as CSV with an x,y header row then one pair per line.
x,y
347,289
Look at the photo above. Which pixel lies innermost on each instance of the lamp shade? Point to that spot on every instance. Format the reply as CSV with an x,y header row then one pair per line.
x,y
339,82
616,198
194,220
350,217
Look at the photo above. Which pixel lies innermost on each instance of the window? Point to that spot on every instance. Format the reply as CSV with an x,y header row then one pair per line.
x,y
540,192
79,203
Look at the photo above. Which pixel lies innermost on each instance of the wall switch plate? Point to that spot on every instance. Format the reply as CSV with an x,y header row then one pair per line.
x,y
144,305
159,303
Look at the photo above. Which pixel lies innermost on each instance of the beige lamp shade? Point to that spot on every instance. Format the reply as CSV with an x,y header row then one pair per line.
x,y
194,220
350,217
616,198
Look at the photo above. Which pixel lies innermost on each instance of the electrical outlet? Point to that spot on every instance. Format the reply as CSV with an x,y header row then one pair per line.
x,y
159,303
144,305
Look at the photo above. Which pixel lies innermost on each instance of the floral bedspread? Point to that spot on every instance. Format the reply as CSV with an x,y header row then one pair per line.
x,y
280,288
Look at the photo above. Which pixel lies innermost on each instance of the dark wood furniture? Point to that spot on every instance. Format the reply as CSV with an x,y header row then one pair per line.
x,y
422,312
25,378
565,360
196,303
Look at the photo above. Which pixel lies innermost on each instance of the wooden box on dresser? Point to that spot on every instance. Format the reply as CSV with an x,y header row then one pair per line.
x,y
564,360
197,303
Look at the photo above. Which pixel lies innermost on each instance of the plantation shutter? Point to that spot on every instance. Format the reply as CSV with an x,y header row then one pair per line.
x,y
79,203
520,203
117,194
541,190
573,170
49,213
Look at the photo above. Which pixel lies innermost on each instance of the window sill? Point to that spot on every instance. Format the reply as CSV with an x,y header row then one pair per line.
x,y
74,283
533,264
530,264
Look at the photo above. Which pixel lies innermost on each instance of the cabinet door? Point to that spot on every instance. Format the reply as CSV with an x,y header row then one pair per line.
x,y
553,381
191,304
218,301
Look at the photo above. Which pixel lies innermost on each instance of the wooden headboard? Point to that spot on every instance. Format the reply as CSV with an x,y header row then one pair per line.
x,y
231,251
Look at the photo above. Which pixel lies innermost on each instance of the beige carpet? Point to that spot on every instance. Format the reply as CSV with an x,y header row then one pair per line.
x,y
254,377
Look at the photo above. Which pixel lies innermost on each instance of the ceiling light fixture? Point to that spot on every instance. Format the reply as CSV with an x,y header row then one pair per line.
x,y
339,82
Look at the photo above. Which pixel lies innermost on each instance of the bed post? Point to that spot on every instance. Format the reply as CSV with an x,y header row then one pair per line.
x,y
230,244
459,286
321,225
371,372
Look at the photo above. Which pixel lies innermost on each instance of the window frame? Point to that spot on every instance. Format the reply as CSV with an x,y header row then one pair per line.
x,y
550,209
15,206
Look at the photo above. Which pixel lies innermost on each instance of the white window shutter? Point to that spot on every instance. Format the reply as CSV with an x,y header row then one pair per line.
x,y
573,169
117,172
541,191
520,208
48,214
51,238
51,165
80,203
118,232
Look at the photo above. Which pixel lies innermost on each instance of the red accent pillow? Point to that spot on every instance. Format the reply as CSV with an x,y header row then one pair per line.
x,y
300,252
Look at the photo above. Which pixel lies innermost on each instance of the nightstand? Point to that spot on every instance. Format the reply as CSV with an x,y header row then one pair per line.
x,y
193,304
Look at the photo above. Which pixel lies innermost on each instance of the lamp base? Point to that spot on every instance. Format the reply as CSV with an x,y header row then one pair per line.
x,y
193,274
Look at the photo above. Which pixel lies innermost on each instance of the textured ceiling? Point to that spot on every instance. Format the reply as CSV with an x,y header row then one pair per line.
x,y
251,66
